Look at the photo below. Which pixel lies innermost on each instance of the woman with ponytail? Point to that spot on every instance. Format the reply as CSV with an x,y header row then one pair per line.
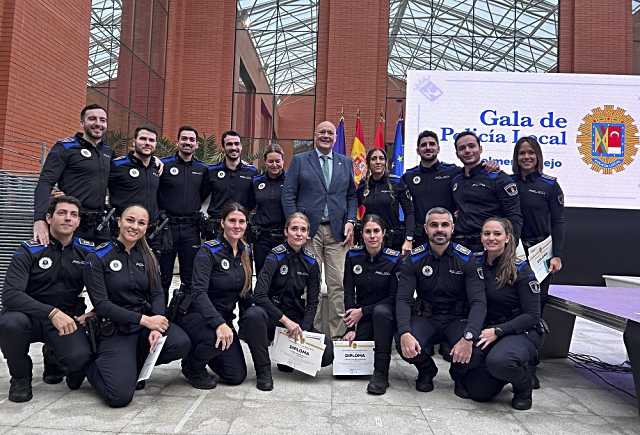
x,y
126,292
512,335
221,279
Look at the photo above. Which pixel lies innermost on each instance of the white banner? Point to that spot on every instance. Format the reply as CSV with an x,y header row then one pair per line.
x,y
587,125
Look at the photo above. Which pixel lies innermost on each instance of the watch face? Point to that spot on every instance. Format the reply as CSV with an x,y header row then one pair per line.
x,y
468,336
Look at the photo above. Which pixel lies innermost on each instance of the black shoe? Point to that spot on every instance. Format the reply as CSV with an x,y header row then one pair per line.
x,y
53,373
522,397
378,383
140,385
198,377
75,380
424,382
284,368
460,390
264,381
535,382
20,390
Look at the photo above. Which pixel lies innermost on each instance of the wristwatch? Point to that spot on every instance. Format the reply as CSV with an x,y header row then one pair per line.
x,y
498,331
409,238
468,336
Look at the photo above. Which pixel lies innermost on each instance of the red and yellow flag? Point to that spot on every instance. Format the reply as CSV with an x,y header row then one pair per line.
x,y
358,153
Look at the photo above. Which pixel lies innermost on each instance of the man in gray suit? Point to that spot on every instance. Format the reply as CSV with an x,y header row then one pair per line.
x,y
321,185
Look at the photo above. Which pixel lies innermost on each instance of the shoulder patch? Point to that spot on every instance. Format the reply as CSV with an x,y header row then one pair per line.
x,y
415,168
521,264
418,252
308,255
280,249
463,249
69,142
212,245
120,161
103,249
511,189
84,244
33,246
548,179
418,249
168,159
392,252
216,166
356,251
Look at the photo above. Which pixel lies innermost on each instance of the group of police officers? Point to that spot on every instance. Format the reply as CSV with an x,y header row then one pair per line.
x,y
413,274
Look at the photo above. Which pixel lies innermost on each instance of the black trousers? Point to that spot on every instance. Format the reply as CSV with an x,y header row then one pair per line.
x,y
258,330
114,372
186,242
437,329
263,245
18,331
229,365
506,361
380,328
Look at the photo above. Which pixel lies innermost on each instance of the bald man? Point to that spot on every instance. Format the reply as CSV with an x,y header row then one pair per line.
x,y
321,185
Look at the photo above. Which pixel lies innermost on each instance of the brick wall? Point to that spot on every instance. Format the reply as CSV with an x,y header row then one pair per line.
x,y
43,72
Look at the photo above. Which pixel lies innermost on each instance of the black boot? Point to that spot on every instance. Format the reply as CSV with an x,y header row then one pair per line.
x,y
535,382
264,381
53,373
378,383
75,380
522,396
197,375
20,390
424,382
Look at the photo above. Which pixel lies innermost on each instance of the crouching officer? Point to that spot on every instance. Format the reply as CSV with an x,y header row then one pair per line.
x,y
40,300
512,335
370,287
451,303
278,296
183,188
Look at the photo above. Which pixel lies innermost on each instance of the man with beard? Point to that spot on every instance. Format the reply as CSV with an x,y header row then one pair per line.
x,y
450,304
41,302
183,188
229,180
479,194
134,178
80,166
321,185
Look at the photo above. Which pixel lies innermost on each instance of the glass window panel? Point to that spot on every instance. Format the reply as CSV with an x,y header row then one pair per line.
x,y
139,87
142,29
493,54
159,39
156,99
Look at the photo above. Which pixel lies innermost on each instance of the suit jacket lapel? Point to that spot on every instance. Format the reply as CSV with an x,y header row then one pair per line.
x,y
315,165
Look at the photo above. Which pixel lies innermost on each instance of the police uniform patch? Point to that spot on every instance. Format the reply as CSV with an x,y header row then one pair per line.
x,y
408,194
365,193
416,179
427,270
221,174
460,248
561,199
480,273
280,249
261,186
85,242
418,249
511,189
284,269
45,263
390,251
134,172
357,269
85,152
115,265
455,187
212,242
224,264
308,252
534,286
174,171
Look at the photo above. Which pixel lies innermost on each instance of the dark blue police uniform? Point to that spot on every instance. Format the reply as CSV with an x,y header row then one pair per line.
x,y
268,221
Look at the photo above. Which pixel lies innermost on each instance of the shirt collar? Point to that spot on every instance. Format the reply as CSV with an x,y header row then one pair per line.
x,y
320,154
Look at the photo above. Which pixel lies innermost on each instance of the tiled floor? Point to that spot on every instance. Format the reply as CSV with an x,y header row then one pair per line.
x,y
571,401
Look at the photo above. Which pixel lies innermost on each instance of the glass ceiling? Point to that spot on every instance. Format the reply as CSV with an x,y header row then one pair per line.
x,y
480,35
103,47
284,33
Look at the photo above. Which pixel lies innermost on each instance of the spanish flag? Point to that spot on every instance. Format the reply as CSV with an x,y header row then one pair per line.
x,y
358,153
